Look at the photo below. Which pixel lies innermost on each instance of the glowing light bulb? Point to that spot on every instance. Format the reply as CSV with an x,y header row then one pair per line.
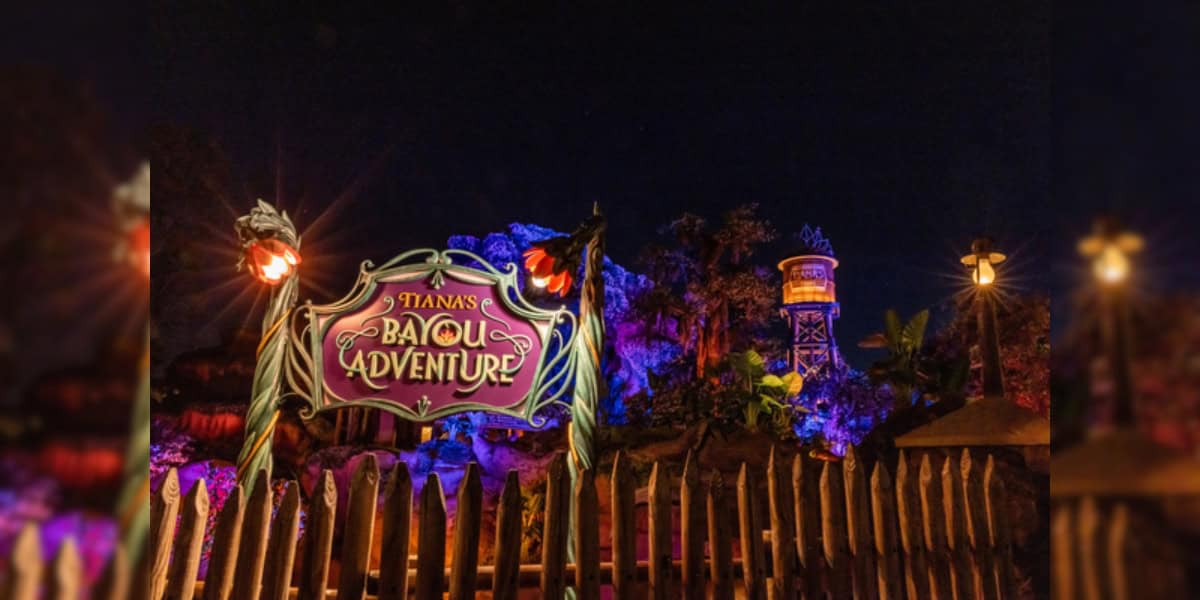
x,y
540,282
1111,266
983,274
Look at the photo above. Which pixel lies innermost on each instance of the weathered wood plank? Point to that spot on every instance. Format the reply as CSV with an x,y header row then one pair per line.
x,y
660,533
754,568
858,526
468,516
25,565
318,539
983,582
624,530
189,540
933,520
247,579
281,550
783,532
554,533
1062,545
397,525
1121,555
508,540
1089,531
833,530
806,492
956,532
887,546
691,525
912,540
359,529
431,540
164,509
66,573
998,529
114,581
720,539
226,546
587,537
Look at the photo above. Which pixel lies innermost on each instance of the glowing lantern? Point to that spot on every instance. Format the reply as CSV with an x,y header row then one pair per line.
x,y
552,264
271,260
982,262
1109,248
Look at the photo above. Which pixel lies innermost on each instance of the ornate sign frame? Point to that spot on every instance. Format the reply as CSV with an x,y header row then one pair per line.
x,y
304,369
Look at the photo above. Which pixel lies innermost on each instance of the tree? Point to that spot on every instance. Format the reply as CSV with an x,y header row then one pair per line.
x,y
706,295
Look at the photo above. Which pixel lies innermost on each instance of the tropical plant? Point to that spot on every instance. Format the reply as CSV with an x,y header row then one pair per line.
x,y
903,342
761,392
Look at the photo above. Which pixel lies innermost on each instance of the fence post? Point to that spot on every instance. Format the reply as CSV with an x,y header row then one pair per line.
x,y
1119,556
587,538
956,534
858,526
66,573
508,540
908,517
397,525
753,557
1062,542
661,565
467,519
181,579
164,508
783,533
887,553
933,518
983,583
114,582
721,568
431,540
222,561
359,529
806,494
554,533
624,530
318,539
247,579
998,530
281,551
691,525
833,530
1089,532
25,565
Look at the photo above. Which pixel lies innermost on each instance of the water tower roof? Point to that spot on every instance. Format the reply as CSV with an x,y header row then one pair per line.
x,y
810,241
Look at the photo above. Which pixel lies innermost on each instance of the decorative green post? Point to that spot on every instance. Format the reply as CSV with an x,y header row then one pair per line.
x,y
588,345
270,251
131,201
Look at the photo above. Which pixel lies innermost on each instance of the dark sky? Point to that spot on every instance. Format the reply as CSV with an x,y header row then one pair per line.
x,y
903,131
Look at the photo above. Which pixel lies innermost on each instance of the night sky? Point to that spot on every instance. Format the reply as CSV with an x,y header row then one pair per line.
x,y
902,131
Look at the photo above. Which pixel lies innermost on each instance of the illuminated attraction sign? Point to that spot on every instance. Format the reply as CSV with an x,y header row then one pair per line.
x,y
429,338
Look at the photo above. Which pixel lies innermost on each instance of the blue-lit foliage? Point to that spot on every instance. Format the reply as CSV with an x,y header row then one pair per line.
x,y
628,358
844,407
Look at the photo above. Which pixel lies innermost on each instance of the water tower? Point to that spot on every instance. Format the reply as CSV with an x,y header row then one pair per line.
x,y
810,302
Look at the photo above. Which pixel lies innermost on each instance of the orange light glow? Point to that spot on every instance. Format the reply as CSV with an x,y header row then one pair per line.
x,y
545,273
271,261
138,247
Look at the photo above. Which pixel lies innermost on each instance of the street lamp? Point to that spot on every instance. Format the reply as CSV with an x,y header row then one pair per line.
x,y
1109,248
982,261
270,252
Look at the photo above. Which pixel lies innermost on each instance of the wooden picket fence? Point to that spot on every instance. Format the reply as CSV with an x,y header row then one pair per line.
x,y
937,531
1114,550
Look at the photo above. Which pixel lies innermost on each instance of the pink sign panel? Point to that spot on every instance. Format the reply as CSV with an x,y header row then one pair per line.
x,y
433,351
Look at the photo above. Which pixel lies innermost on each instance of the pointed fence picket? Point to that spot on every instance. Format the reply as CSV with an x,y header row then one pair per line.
x,y
827,529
